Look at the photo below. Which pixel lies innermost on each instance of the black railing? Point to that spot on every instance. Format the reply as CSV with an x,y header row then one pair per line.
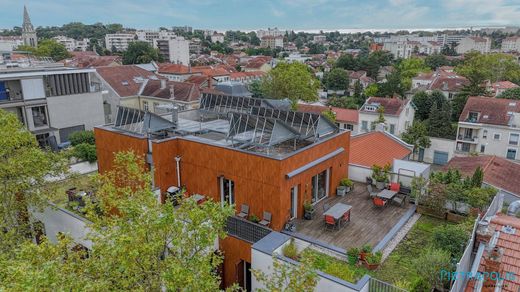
x,y
246,230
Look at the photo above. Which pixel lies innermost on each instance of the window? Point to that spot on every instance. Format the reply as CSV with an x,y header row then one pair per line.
x,y
155,105
513,139
370,108
349,127
496,136
472,117
39,115
227,191
364,125
484,134
392,129
320,186
145,105
43,140
482,148
511,153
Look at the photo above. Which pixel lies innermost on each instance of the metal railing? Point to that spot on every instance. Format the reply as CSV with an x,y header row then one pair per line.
x,y
375,285
246,230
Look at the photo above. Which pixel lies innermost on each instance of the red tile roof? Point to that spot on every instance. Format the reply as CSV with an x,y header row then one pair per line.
x,y
503,85
210,70
448,81
182,91
91,60
499,172
167,68
126,80
377,148
198,79
393,106
510,261
342,115
492,111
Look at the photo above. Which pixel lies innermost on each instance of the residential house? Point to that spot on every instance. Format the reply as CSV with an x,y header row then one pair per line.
x,y
270,32
260,63
511,44
216,73
499,87
221,159
118,41
489,126
444,79
217,38
52,102
246,77
360,76
319,39
10,43
346,119
176,72
118,82
384,71
398,114
474,43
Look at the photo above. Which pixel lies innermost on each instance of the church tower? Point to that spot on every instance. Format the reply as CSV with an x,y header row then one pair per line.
x,y
28,32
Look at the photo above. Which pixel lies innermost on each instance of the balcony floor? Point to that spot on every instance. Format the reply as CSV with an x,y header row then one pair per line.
x,y
368,225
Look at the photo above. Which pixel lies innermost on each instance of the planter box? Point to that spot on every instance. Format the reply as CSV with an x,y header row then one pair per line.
x,y
430,212
370,267
452,217
341,191
308,214
380,185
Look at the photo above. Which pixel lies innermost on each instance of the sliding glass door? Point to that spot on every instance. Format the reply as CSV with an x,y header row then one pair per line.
x,y
320,185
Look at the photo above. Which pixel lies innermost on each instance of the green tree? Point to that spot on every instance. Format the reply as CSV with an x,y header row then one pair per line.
x,y
358,95
48,48
424,102
80,137
494,67
347,62
371,90
417,135
343,102
429,266
288,277
23,169
291,80
255,88
513,93
409,68
435,61
439,122
336,79
140,52
381,115
138,244
457,105
451,238
392,86
329,114
477,178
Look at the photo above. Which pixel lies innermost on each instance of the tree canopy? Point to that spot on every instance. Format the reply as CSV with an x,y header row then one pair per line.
x,y
291,80
494,67
417,135
48,48
513,93
140,52
336,79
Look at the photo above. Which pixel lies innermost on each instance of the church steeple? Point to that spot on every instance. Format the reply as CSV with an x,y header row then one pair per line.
x,y
28,32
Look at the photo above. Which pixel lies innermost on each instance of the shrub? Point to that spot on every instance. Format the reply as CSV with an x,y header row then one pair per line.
x,y
86,152
374,258
82,137
450,238
254,218
367,248
290,250
346,182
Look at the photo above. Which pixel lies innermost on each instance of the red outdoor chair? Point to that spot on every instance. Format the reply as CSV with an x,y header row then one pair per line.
x,y
395,187
346,217
330,221
379,202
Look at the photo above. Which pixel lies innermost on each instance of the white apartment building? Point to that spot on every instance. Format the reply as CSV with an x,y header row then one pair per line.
x,y
272,42
489,126
10,43
118,41
72,44
151,36
319,38
52,102
405,49
217,37
175,50
511,44
274,32
474,43
398,113
448,39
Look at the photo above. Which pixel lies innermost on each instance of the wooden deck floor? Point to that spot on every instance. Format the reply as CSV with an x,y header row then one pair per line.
x,y
368,225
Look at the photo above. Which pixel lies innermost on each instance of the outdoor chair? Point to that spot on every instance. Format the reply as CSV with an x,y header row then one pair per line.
x,y
399,200
346,217
371,192
266,221
326,207
395,187
379,202
330,222
244,211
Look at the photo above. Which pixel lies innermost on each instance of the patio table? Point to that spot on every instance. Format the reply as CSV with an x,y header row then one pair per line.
x,y
337,211
386,194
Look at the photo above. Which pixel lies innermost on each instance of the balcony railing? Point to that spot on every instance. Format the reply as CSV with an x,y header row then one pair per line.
x,y
467,138
375,285
246,230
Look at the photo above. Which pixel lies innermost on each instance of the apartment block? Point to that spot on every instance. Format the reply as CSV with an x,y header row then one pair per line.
x,y
236,150
489,126
52,102
175,50
511,44
118,41
474,43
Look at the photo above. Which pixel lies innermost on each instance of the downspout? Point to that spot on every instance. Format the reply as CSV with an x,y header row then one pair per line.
x,y
178,163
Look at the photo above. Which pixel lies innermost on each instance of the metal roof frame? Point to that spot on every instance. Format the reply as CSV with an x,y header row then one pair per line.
x,y
140,122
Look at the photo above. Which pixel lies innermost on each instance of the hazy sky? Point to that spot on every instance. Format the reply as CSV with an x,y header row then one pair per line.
x,y
253,14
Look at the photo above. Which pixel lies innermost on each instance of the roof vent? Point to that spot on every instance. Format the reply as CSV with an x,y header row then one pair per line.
x,y
124,82
485,117
508,229
513,208
513,103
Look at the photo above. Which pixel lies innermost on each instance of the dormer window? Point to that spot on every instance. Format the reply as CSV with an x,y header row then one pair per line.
x,y
370,108
472,117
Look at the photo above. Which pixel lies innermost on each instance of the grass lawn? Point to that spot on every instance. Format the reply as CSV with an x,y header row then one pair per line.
x,y
59,188
336,267
399,265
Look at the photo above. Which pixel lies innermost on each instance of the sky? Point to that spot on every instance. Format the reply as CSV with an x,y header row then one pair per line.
x,y
256,14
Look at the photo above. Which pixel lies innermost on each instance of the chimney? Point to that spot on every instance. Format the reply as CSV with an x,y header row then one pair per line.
x,y
163,83
484,233
492,267
175,114
172,91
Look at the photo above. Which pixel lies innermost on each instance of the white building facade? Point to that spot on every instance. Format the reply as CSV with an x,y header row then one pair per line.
x,y
472,43
118,41
398,114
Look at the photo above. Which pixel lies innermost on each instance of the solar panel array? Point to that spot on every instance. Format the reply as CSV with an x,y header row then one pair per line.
x,y
226,103
140,122
259,130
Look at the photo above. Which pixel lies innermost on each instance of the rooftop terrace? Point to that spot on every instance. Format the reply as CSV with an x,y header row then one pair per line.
x,y
260,126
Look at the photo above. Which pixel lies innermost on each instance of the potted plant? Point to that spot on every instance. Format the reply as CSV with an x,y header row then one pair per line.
x,y
353,255
308,209
253,218
365,251
347,183
381,174
373,260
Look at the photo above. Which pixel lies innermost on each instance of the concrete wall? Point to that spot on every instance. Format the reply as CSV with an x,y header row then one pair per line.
x,y
74,110
358,173
439,144
60,220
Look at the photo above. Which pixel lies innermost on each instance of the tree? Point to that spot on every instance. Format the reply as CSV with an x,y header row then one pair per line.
x,y
255,88
417,135
457,105
477,178
343,102
512,93
435,61
347,62
409,68
23,169
48,48
451,238
359,96
336,79
392,86
381,115
494,67
138,244
424,102
140,52
291,80
371,90
429,266
439,121
289,277
329,114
